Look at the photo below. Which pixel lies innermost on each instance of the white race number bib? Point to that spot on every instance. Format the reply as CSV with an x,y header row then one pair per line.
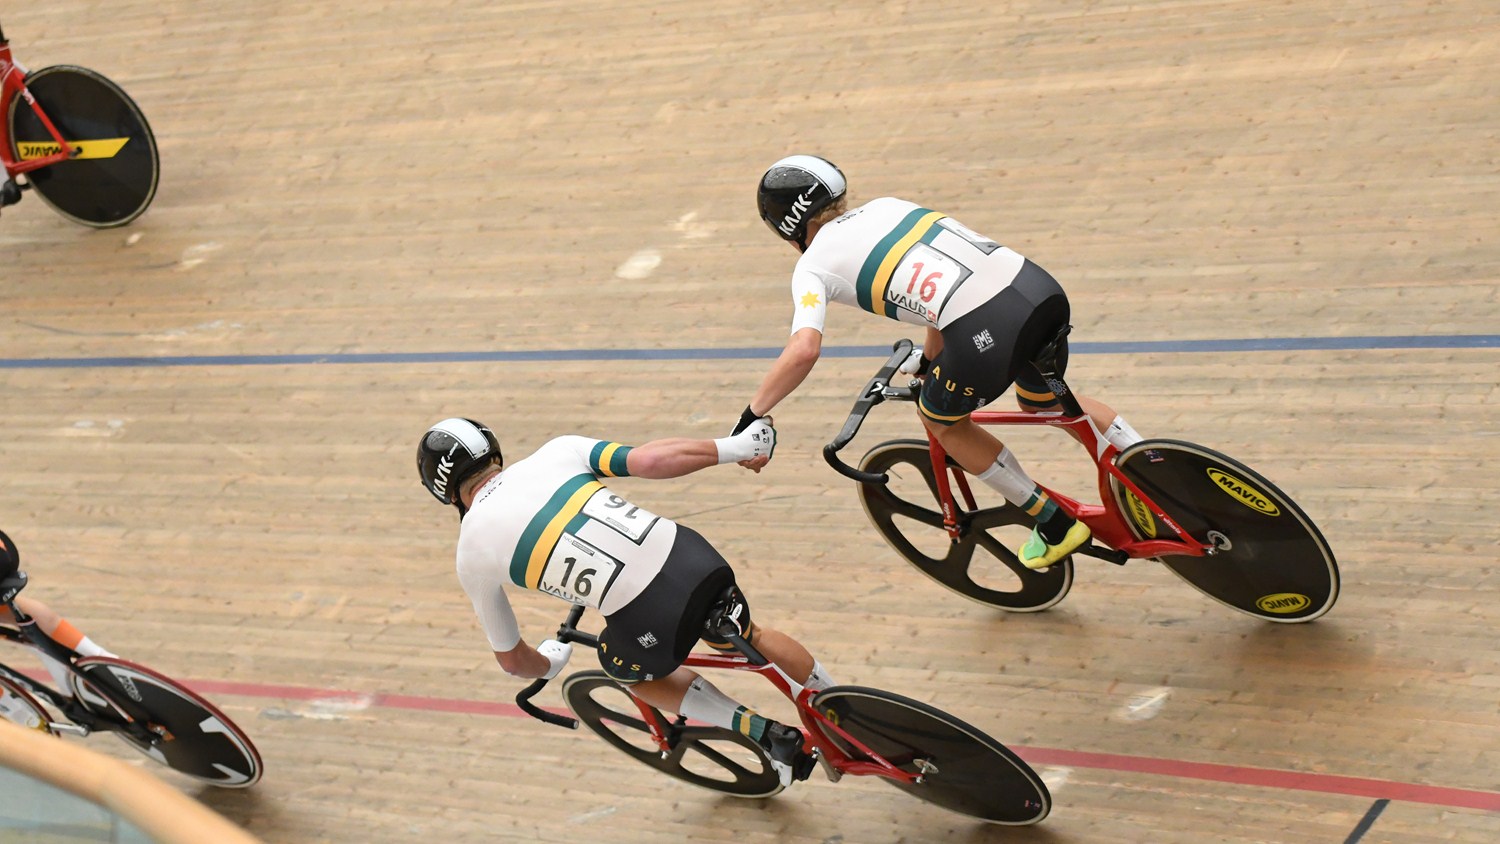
x,y
578,572
923,281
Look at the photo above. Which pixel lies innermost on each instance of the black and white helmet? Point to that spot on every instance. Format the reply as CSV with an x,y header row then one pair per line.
x,y
794,189
451,452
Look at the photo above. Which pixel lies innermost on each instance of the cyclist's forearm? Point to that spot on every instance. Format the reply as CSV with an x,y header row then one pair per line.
x,y
523,661
789,370
932,344
671,458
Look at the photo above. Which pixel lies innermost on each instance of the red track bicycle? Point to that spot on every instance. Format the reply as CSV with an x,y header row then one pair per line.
x,y
1212,520
77,140
854,730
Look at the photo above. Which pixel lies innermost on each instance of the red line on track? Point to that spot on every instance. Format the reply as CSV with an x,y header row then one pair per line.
x,y
1263,777
1266,777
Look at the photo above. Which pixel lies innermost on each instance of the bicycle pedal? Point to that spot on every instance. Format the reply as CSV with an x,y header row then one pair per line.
x,y
833,774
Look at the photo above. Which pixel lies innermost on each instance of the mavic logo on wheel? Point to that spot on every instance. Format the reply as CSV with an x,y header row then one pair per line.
x,y
1284,602
1244,493
1140,515
96,148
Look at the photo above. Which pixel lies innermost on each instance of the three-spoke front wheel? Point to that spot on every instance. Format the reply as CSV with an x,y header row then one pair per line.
x,y
981,566
711,757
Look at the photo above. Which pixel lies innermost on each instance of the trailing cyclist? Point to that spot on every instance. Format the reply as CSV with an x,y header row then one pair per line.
x,y
987,312
547,522
12,581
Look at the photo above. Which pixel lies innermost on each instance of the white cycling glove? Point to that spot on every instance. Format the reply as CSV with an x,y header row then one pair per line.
x,y
757,440
913,363
556,653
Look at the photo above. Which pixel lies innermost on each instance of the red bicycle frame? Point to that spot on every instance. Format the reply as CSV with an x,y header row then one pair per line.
x,y
12,85
1105,521
814,721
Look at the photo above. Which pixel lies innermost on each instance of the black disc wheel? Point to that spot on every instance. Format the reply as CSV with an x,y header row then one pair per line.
x,y
710,757
962,769
981,566
192,737
113,178
1270,559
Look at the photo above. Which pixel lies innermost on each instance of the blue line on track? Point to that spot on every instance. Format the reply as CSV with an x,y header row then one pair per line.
x,y
1267,344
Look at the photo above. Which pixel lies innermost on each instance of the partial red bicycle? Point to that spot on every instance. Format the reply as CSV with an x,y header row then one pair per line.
x,y
1213,521
854,730
77,140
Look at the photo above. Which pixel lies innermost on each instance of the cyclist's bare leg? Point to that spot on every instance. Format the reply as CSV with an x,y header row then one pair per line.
x,y
973,447
47,620
1057,533
1102,415
58,628
794,659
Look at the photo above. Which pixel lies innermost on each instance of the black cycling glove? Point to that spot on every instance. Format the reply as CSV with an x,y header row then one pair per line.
x,y
745,419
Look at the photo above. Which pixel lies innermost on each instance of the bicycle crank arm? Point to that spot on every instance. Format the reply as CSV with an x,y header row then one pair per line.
x,y
1099,552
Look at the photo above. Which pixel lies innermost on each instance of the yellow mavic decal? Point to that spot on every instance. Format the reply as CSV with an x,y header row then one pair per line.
x,y
1140,515
96,148
1284,602
1244,493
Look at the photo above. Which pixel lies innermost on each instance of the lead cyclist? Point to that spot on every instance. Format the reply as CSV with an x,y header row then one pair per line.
x,y
987,312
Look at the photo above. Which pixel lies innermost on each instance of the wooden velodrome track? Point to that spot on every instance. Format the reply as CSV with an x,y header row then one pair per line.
x,y
371,190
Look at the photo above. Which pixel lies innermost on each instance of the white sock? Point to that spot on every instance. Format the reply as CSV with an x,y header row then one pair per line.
x,y
819,680
704,702
1121,435
1008,478
87,647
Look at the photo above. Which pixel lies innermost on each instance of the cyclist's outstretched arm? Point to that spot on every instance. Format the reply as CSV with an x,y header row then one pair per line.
x,y
789,370
678,456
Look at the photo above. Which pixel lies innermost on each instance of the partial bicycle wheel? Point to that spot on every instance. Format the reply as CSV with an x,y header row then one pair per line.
x,y
981,566
18,706
963,770
1272,562
710,757
114,176
197,739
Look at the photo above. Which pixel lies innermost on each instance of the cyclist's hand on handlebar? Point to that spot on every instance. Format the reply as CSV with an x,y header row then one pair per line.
x,y
914,364
557,653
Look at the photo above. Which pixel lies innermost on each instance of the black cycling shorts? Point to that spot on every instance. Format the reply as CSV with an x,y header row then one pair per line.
x,y
648,638
992,347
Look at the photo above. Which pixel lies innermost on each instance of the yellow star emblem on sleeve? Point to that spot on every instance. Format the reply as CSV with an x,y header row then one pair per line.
x,y
809,300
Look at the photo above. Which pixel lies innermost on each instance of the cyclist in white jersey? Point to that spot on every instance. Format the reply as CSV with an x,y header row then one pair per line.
x,y
549,523
987,311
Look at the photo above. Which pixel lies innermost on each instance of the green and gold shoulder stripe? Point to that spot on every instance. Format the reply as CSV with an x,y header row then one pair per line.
x,y
875,275
608,459
562,512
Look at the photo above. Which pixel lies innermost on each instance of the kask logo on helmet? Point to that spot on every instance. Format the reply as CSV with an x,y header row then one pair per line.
x,y
444,469
793,218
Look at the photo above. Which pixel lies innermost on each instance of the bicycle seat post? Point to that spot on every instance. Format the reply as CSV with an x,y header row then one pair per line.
x,y
1046,363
